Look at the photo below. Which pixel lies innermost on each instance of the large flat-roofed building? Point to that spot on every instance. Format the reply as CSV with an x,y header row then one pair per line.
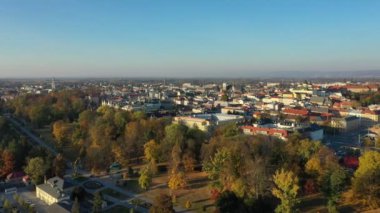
x,y
345,124
207,122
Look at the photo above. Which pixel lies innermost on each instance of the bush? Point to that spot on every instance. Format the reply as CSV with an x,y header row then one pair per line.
x,y
188,204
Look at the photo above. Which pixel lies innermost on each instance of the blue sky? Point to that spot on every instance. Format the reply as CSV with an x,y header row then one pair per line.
x,y
186,38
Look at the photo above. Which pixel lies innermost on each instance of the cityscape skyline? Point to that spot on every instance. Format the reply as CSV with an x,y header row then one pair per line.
x,y
186,39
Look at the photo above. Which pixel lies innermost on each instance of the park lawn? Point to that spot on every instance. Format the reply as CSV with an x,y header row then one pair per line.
x,y
118,209
114,194
198,192
200,199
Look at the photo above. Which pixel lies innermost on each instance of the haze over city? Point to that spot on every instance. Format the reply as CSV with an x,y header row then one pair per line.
x,y
195,38
164,106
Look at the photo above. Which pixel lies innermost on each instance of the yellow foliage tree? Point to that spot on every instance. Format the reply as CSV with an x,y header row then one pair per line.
x,y
177,180
286,189
151,150
188,162
366,181
313,166
62,131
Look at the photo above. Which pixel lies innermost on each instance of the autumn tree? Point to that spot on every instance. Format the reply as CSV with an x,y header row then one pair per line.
x,y
366,181
145,179
162,204
286,189
321,163
151,151
177,180
188,162
176,157
86,118
59,165
36,169
62,132
6,162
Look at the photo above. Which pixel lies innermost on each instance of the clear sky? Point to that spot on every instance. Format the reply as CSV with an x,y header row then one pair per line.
x,y
186,38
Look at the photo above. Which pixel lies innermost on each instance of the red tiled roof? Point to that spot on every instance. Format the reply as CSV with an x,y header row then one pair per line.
x,y
302,112
346,103
336,87
269,131
354,86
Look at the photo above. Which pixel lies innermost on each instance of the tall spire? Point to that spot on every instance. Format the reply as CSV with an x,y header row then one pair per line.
x,y
52,84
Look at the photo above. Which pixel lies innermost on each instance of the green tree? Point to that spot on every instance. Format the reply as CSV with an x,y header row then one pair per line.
x,y
286,189
145,178
366,181
230,130
307,148
175,134
7,204
334,182
215,165
98,202
39,115
36,169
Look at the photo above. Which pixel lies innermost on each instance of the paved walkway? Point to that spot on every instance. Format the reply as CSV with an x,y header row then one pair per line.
x,y
30,135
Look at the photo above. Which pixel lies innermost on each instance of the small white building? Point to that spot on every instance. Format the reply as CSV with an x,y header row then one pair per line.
x,y
52,191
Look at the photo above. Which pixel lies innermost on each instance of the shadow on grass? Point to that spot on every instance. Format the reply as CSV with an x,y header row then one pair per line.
x,y
201,200
198,183
346,209
313,203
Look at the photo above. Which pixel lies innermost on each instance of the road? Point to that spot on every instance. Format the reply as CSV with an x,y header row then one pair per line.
x,y
344,140
29,134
